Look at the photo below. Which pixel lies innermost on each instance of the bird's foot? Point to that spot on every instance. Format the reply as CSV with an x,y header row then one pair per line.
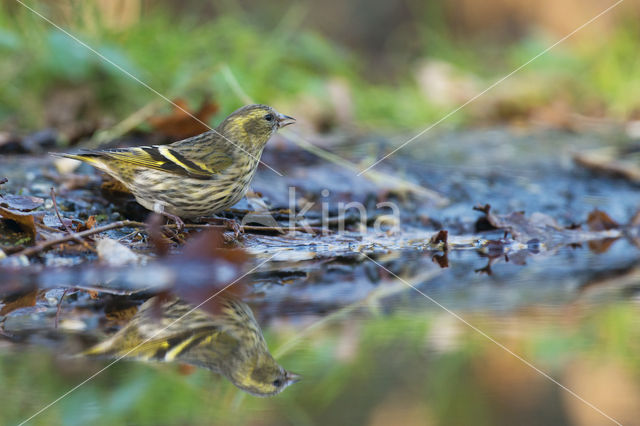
x,y
233,225
179,222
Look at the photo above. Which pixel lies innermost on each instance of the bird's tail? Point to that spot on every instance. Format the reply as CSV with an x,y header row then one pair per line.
x,y
101,349
87,157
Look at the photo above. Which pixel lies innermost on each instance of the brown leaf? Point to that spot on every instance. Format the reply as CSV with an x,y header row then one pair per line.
x,y
542,229
440,237
601,246
608,164
24,220
90,223
24,300
20,202
600,221
180,124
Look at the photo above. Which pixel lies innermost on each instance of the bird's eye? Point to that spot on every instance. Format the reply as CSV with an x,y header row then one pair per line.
x,y
268,117
277,383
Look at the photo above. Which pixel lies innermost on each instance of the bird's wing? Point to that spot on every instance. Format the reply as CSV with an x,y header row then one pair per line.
x,y
161,335
180,158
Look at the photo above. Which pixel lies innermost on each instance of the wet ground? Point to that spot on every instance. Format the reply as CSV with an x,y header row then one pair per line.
x,y
385,325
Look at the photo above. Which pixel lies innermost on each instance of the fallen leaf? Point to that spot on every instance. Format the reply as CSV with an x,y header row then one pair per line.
x,y
440,237
24,220
608,163
90,223
24,300
541,229
20,202
600,221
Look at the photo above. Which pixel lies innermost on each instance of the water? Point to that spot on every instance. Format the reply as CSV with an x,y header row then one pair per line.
x,y
383,329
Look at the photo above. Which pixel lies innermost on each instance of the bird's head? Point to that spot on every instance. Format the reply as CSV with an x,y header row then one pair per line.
x,y
264,377
253,125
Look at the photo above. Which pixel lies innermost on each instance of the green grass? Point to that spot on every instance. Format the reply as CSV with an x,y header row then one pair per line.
x,y
187,57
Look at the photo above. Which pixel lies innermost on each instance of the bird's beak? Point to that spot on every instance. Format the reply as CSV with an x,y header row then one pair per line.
x,y
285,120
293,378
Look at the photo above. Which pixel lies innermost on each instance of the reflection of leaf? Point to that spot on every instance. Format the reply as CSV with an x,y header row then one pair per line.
x,y
180,124
600,221
21,301
24,220
601,246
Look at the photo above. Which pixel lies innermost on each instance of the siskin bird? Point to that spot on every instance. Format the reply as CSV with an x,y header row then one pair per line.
x,y
198,176
229,342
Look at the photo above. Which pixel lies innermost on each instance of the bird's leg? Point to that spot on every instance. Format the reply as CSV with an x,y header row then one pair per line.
x,y
179,222
159,208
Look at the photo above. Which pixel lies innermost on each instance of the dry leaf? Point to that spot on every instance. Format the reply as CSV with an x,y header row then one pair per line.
x,y
22,301
24,220
20,202
600,221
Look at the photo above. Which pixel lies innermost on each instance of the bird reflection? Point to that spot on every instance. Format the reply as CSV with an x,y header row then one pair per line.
x,y
228,342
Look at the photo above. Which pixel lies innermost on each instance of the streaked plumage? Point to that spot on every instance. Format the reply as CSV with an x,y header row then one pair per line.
x,y
229,343
198,176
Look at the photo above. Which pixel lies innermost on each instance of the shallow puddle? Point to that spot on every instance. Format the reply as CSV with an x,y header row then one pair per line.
x,y
488,326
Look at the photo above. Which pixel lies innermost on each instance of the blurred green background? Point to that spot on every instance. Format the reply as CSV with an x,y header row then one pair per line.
x,y
410,367
373,64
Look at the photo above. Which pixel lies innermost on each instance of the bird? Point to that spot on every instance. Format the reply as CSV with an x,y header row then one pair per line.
x,y
197,176
228,342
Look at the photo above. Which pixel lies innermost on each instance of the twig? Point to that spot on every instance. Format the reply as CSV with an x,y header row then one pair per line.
x,y
73,234
280,229
126,223
46,244
64,293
